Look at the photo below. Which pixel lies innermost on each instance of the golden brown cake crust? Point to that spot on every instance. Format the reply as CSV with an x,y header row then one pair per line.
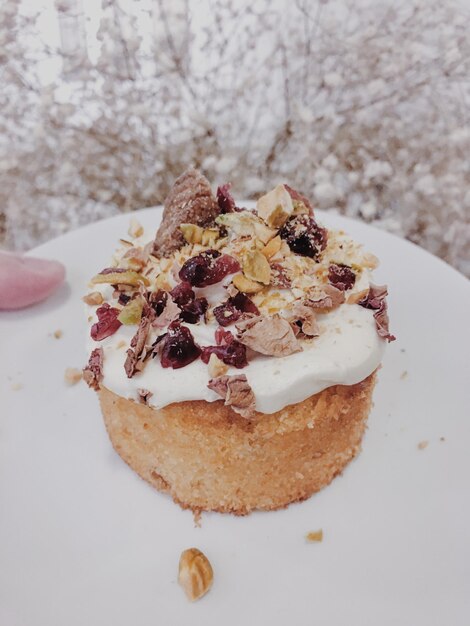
x,y
209,458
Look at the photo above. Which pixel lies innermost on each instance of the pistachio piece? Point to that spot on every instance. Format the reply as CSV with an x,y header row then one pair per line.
x,y
192,233
129,277
275,207
195,573
132,312
272,247
256,267
245,285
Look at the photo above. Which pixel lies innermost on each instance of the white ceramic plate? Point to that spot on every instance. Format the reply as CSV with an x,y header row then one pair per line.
x,y
84,541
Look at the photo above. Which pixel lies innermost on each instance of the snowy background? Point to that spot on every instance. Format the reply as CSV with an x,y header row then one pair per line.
x,y
362,105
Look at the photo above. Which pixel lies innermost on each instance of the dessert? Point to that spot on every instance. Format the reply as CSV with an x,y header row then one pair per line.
x,y
235,352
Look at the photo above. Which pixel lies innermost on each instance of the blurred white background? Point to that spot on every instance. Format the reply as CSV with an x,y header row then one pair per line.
x,y
362,105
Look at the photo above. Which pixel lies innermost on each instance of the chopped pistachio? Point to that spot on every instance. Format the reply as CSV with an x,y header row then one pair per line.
x,y
132,312
256,267
245,285
129,277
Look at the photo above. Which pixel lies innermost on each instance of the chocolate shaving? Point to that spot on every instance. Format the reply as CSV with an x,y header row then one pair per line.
x,y
376,300
144,396
303,319
272,336
93,372
328,298
190,201
236,393
137,354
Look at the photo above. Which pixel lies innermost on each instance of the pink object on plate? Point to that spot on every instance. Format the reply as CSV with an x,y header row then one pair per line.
x,y
27,280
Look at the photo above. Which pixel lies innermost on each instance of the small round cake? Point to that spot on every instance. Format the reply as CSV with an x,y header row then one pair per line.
x,y
235,352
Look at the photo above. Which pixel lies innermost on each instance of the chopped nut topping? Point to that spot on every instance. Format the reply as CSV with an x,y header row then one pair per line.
x,y
422,445
216,366
192,233
132,312
195,573
128,277
135,228
94,298
275,207
72,376
314,536
271,248
246,223
256,267
245,285
58,333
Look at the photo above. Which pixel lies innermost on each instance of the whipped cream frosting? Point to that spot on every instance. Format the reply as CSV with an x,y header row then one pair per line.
x,y
347,350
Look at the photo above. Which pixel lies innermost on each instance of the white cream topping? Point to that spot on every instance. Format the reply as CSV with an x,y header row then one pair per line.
x,y
347,351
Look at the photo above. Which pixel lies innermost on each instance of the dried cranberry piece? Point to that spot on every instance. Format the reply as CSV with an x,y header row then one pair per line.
x,y
341,276
207,268
158,300
225,199
107,323
178,347
231,310
226,313
229,350
223,336
192,311
304,236
183,294
244,304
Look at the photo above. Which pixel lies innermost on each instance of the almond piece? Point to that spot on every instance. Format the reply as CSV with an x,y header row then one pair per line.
x,y
195,573
314,536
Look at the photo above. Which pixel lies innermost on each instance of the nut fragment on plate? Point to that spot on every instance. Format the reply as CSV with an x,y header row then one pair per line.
x,y
93,298
58,333
314,536
195,573
72,376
